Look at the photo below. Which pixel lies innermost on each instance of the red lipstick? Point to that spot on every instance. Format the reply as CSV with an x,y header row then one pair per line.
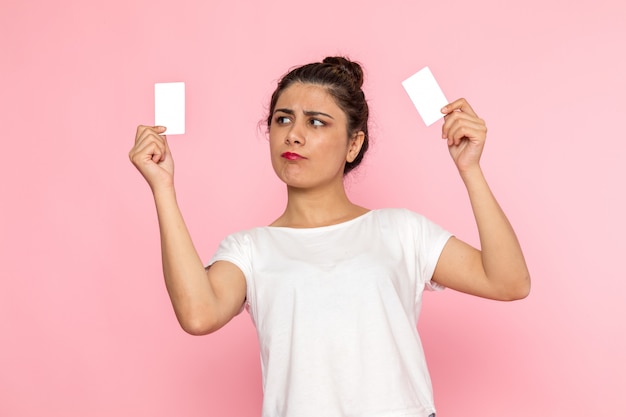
x,y
291,156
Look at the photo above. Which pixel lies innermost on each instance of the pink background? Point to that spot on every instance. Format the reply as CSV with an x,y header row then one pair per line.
x,y
86,328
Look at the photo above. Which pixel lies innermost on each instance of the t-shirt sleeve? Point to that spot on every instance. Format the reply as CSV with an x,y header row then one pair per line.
x,y
234,249
430,239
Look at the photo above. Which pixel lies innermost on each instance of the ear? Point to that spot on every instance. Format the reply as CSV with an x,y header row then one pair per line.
x,y
354,146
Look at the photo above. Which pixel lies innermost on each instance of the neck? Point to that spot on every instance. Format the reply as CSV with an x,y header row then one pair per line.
x,y
316,208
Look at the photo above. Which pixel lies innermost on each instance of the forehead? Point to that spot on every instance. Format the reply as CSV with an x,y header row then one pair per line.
x,y
307,97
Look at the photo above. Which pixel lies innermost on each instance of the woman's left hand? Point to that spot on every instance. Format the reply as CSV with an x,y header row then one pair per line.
x,y
465,132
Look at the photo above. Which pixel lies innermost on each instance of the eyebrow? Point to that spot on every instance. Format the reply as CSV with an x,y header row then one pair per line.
x,y
306,113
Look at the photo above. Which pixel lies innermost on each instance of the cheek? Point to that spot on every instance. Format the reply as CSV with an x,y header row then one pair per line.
x,y
274,137
275,157
337,149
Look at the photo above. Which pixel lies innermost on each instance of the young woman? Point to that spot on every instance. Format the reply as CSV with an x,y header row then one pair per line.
x,y
334,289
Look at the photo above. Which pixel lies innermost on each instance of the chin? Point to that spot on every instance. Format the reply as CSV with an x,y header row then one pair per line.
x,y
290,175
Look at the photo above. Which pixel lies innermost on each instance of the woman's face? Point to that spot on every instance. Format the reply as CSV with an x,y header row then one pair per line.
x,y
309,143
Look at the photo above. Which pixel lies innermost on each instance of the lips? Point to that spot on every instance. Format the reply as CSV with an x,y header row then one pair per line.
x,y
291,156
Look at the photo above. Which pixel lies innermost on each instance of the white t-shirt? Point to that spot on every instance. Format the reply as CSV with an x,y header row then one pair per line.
x,y
336,310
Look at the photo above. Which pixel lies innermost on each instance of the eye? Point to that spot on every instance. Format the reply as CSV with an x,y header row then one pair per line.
x,y
281,120
316,122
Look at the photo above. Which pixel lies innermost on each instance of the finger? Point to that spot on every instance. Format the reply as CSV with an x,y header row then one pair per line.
x,y
156,129
459,105
148,134
149,145
147,151
166,148
142,130
457,117
466,129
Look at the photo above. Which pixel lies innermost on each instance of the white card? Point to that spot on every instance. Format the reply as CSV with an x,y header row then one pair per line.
x,y
169,107
426,95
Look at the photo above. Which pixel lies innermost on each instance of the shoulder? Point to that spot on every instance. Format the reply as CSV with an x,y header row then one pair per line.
x,y
402,215
238,242
239,248
408,223
255,239
247,235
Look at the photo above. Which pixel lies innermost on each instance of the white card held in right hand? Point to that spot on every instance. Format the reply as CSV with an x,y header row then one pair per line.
x,y
426,95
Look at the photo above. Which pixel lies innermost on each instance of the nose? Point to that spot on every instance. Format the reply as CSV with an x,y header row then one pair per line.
x,y
295,135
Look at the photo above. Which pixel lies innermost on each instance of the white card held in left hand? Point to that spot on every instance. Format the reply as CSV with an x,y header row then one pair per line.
x,y
426,95
169,107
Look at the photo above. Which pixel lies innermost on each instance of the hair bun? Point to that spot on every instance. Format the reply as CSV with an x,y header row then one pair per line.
x,y
351,68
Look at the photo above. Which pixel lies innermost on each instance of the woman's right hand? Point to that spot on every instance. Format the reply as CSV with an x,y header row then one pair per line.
x,y
152,157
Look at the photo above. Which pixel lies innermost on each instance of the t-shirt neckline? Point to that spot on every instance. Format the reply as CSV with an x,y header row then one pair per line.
x,y
328,227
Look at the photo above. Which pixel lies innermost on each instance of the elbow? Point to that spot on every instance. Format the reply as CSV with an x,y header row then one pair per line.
x,y
195,330
518,290
197,325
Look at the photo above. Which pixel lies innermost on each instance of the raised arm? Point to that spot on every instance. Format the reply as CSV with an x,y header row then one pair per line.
x,y
497,271
203,300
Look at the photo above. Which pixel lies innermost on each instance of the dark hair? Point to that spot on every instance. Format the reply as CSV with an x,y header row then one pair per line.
x,y
343,80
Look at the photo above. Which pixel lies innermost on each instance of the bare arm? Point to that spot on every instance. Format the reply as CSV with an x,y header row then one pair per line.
x,y
203,300
498,271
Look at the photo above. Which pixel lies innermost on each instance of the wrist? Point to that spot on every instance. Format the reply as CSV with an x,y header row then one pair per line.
x,y
164,191
471,173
